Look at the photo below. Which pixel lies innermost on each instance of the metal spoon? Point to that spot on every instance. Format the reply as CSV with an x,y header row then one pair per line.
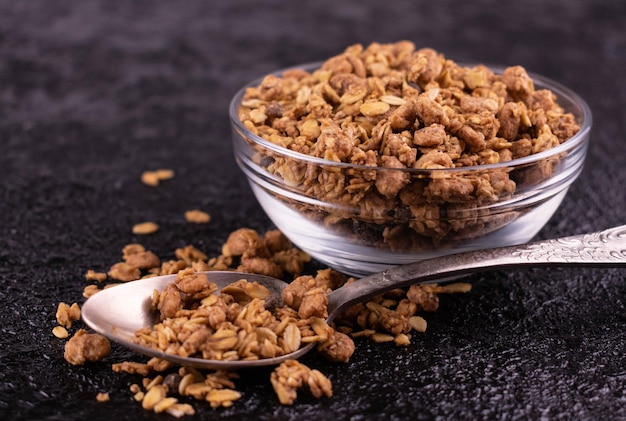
x,y
120,311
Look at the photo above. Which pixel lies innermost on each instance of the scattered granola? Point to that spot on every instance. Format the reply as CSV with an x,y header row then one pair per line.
x,y
235,324
390,107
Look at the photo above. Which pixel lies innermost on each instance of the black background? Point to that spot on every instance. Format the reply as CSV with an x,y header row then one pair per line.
x,y
94,92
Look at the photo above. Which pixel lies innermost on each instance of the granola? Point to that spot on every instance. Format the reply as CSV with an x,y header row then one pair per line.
x,y
292,375
67,314
154,178
234,324
409,121
86,347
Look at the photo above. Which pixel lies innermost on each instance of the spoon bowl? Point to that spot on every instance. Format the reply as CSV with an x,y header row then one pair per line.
x,y
120,311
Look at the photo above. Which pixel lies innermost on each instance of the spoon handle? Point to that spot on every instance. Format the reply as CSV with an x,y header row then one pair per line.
x,y
605,248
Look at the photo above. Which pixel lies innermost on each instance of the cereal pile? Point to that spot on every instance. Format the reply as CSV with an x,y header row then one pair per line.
x,y
406,116
238,323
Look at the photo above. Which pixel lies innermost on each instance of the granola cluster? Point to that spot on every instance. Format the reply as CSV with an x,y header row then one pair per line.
x,y
86,347
293,375
404,118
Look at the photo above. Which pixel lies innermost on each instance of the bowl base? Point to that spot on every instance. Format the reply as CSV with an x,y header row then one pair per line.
x,y
349,257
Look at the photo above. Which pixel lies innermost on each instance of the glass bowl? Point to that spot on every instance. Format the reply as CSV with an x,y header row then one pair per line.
x,y
363,233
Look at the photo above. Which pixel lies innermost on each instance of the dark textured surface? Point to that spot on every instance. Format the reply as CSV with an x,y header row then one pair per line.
x,y
94,92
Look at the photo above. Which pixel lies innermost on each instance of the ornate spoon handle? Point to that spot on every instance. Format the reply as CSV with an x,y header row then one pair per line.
x,y
599,249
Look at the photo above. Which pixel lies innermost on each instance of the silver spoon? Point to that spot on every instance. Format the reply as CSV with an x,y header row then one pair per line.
x,y
120,311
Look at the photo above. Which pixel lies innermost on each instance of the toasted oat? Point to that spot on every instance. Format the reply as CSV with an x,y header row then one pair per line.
x,y
292,338
145,228
393,100
418,323
60,332
102,397
197,216
150,383
131,249
159,365
372,109
150,178
153,396
222,397
154,178
165,404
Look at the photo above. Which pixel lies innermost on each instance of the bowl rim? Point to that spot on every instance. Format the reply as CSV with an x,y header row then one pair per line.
x,y
561,91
